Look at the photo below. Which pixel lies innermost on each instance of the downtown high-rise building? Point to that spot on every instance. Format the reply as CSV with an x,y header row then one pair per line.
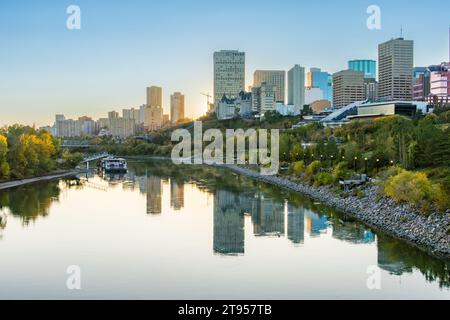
x,y
371,89
318,79
275,78
229,74
439,84
263,99
154,96
296,86
421,83
153,118
348,87
176,107
395,71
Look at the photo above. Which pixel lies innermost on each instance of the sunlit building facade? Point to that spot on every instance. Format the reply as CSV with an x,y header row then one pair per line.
x,y
348,87
229,74
275,78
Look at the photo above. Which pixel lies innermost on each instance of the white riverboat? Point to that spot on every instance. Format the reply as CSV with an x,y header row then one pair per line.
x,y
113,164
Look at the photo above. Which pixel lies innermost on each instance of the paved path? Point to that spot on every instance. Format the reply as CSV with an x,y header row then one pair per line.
x,y
17,183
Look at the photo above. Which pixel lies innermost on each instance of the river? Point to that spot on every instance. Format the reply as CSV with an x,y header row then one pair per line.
x,y
187,232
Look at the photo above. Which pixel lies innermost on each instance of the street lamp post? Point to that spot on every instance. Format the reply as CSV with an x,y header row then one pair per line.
x,y
356,169
365,162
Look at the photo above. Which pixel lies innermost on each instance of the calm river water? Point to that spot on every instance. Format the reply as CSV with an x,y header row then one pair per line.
x,y
183,232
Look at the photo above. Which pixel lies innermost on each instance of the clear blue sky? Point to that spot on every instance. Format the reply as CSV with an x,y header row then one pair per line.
x,y
124,46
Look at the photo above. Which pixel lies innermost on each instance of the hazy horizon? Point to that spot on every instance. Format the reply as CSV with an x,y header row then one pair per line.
x,y
123,47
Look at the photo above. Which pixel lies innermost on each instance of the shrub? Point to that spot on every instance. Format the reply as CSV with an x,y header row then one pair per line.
x,y
298,168
444,117
312,169
340,171
403,219
440,197
323,179
412,187
388,174
4,170
358,193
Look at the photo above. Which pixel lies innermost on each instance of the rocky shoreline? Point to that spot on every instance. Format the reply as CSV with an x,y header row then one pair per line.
x,y
430,234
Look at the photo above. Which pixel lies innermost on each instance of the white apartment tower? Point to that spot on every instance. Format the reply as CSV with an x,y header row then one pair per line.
x,y
229,74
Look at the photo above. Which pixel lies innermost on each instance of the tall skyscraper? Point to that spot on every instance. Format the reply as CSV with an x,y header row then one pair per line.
x,y
176,107
296,86
229,74
275,78
316,78
348,87
153,117
154,96
395,72
369,67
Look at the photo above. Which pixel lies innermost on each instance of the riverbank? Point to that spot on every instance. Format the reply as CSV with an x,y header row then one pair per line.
x,y
428,233
52,176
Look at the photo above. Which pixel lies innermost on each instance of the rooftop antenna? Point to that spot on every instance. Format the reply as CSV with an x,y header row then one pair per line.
x,y
401,31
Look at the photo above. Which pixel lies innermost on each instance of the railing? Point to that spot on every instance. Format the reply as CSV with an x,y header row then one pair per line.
x,y
95,157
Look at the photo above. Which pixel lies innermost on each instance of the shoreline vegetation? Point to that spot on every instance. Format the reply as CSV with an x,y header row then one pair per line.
x,y
27,154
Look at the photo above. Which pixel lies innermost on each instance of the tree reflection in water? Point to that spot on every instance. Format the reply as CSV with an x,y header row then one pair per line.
x,y
32,201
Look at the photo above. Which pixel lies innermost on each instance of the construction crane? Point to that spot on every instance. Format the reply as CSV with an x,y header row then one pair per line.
x,y
208,96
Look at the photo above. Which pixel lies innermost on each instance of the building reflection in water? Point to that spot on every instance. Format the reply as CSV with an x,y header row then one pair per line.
x,y
315,224
296,224
267,216
154,194
351,231
228,223
176,194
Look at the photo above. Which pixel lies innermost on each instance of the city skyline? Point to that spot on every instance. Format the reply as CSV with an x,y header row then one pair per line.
x,y
105,65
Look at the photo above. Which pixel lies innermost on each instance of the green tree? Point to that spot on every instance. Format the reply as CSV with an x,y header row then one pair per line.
x,y
4,166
